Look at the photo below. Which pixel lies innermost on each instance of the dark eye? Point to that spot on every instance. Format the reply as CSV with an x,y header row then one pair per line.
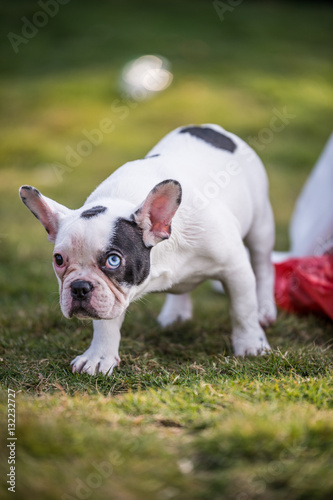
x,y
113,261
58,259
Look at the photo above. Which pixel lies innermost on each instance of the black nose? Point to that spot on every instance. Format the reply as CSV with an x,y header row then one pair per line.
x,y
80,289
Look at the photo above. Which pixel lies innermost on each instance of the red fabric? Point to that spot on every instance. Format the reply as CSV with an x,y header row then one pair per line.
x,y
305,285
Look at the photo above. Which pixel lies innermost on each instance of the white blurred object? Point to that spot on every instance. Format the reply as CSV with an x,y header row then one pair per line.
x,y
281,256
311,228
217,286
146,76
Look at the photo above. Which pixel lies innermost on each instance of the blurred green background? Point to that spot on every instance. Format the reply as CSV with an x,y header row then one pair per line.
x,y
261,57
187,421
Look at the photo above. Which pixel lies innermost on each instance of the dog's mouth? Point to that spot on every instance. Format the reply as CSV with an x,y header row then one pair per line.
x,y
98,303
82,310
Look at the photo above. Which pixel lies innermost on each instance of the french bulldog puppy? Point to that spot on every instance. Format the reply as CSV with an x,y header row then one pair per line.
x,y
166,223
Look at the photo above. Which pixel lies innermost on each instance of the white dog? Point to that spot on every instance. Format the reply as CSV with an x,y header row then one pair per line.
x,y
167,223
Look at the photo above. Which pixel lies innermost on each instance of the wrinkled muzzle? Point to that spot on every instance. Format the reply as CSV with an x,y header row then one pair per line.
x,y
90,298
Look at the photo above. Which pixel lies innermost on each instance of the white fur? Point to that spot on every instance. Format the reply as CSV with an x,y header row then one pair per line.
x,y
225,202
176,308
102,355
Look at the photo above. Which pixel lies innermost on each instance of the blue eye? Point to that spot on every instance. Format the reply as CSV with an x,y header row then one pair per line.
x,y
113,261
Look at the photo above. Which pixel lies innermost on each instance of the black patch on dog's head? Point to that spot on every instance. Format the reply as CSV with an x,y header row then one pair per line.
x,y
128,243
212,137
92,212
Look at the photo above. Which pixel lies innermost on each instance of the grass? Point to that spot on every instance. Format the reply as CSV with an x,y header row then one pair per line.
x,y
181,418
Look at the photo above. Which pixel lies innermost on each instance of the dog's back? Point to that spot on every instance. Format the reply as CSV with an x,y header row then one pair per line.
x,y
216,169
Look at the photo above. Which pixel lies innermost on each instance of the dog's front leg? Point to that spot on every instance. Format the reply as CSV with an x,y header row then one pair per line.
x,y
102,355
247,335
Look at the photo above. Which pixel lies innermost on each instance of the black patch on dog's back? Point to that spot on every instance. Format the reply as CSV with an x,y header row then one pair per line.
x,y
216,139
127,241
92,212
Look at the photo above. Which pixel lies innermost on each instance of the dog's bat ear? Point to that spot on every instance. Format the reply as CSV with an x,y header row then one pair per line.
x,y
156,212
47,211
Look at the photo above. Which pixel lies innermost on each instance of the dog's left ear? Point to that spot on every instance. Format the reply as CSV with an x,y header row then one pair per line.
x,y
47,211
156,212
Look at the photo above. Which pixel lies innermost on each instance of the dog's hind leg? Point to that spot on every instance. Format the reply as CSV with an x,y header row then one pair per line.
x,y
237,276
176,308
260,242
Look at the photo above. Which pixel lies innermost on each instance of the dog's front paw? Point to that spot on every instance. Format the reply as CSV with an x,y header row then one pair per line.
x,y
250,344
93,363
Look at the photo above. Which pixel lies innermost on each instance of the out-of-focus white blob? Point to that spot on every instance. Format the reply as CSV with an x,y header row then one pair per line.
x,y
146,76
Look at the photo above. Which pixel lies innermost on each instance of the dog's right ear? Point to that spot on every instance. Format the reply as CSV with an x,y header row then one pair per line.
x,y
155,214
47,211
